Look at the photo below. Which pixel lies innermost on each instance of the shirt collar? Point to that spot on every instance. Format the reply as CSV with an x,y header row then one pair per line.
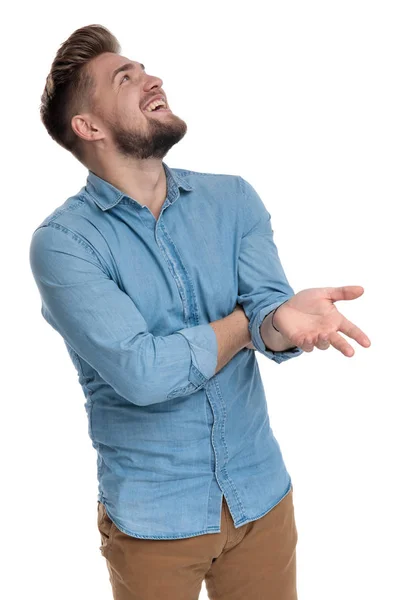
x,y
107,195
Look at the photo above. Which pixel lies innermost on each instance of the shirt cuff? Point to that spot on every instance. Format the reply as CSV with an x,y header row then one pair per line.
x,y
203,350
257,341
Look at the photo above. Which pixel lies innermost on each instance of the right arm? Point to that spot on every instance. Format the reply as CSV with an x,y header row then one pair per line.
x,y
103,325
232,334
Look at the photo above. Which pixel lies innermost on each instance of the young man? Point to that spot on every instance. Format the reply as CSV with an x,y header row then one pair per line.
x,y
162,283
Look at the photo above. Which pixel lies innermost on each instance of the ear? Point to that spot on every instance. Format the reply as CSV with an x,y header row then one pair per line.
x,y
84,127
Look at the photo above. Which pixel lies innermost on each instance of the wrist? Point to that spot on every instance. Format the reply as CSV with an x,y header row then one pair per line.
x,y
272,338
273,315
240,322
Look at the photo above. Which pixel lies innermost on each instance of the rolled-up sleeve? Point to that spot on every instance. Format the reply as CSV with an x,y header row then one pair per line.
x,y
103,325
262,282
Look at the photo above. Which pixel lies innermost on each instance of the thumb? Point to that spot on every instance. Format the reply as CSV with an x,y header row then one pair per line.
x,y
345,292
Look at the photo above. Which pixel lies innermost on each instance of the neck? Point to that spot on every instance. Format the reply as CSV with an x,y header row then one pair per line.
x,y
143,180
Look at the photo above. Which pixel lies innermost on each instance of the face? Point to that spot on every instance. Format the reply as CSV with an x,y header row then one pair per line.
x,y
121,98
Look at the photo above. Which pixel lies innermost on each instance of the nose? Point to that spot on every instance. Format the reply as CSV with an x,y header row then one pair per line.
x,y
153,81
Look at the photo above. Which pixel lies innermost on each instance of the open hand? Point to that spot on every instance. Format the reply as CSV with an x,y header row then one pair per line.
x,y
310,319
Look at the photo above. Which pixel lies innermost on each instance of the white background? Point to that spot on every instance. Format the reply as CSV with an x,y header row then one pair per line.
x,y
302,100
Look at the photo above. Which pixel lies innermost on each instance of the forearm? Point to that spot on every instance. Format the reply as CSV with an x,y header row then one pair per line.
x,y
232,334
273,339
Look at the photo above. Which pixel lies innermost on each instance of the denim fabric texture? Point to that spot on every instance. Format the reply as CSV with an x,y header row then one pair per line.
x,y
132,297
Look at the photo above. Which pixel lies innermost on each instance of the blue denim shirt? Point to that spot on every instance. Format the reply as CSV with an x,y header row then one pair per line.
x,y
133,297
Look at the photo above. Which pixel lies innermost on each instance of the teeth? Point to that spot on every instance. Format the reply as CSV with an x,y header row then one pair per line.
x,y
154,105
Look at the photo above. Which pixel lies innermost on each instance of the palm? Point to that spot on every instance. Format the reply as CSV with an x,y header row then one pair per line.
x,y
311,319
322,317
312,301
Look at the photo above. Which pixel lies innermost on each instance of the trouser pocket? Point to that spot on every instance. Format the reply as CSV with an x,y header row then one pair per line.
x,y
106,528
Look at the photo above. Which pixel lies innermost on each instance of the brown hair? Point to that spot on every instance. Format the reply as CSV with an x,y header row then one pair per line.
x,y
70,86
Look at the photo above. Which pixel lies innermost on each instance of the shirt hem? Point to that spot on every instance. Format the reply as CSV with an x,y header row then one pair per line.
x,y
196,533
249,520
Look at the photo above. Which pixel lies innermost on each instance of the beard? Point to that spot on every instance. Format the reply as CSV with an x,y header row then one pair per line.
x,y
162,133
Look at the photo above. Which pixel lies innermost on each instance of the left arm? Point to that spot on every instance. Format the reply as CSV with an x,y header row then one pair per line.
x,y
304,320
262,282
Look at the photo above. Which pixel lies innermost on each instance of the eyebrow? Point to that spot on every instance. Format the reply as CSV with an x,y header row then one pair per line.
x,y
125,67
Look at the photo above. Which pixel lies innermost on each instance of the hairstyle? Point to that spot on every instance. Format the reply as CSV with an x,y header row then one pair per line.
x,y
70,85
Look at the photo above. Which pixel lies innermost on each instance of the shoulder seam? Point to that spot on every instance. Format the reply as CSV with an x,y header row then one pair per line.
x,y
76,237
78,202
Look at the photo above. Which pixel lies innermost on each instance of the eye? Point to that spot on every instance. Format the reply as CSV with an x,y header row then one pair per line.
x,y
124,78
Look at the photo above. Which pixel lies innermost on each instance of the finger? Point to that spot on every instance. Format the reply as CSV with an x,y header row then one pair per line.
x,y
308,344
338,342
345,292
323,341
354,332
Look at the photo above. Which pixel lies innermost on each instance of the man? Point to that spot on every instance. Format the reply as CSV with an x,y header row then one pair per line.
x,y
162,283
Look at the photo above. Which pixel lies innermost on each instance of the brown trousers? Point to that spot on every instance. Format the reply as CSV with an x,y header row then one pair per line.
x,y
257,561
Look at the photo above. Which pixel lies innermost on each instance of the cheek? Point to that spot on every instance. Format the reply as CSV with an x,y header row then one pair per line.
x,y
128,113
129,107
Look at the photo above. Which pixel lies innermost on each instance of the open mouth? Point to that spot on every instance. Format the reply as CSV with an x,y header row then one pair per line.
x,y
158,109
160,106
